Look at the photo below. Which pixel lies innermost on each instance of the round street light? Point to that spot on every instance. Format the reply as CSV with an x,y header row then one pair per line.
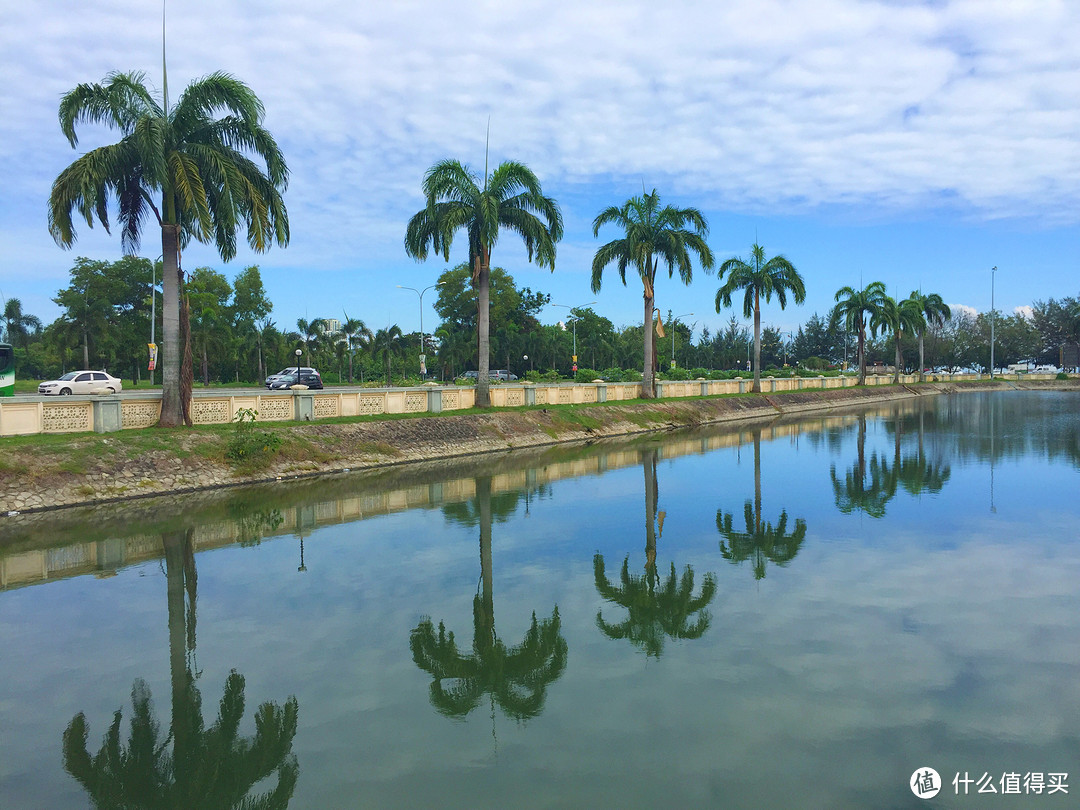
x,y
298,353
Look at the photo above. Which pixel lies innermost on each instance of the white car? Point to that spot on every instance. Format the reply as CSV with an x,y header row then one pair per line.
x,y
82,382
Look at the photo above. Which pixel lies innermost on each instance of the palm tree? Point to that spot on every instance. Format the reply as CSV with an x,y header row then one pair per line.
x,y
386,343
19,325
653,235
760,540
934,311
355,332
192,172
514,677
760,279
510,198
897,316
856,308
654,610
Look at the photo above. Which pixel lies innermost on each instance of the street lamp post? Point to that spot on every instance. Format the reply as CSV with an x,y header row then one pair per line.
x,y
574,318
993,271
298,353
673,322
423,358
153,316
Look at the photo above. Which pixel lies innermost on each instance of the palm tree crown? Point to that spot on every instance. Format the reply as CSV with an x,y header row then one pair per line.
x,y
509,198
897,317
188,167
760,279
934,311
655,235
856,308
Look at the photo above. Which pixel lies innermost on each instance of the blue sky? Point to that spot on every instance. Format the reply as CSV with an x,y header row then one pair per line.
x,y
919,144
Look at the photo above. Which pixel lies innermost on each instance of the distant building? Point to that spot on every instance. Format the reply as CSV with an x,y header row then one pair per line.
x,y
331,325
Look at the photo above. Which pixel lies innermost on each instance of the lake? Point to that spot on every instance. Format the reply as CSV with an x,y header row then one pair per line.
x,y
803,613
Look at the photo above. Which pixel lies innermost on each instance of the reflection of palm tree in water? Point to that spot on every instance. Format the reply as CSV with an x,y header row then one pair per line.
x,y
870,485
654,609
761,541
208,767
514,677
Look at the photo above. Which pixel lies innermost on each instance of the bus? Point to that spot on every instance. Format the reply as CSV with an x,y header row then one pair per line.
x,y
7,370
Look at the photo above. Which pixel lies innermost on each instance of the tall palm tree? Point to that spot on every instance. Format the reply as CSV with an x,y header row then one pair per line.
x,y
760,279
189,170
934,311
514,677
19,325
386,343
356,332
857,308
869,485
654,235
897,317
510,198
760,541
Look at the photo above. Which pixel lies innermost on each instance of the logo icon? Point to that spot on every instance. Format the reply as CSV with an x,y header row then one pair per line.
x,y
925,783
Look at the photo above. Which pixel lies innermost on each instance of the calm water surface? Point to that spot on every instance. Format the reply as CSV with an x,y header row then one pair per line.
x,y
794,614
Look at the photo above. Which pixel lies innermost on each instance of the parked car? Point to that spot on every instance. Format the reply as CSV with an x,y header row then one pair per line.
x,y
308,376
82,382
495,374
285,372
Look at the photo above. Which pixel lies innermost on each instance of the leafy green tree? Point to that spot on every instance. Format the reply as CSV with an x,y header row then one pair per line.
x,y
857,308
189,170
87,305
510,198
933,310
356,333
387,344
759,279
653,236
19,325
208,293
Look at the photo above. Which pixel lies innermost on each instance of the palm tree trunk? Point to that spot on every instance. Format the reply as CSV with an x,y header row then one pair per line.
x,y
756,387
922,363
171,412
899,359
648,379
483,325
862,354
85,348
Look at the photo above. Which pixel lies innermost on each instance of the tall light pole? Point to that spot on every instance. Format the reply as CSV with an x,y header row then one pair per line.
x,y
993,271
673,322
574,318
423,358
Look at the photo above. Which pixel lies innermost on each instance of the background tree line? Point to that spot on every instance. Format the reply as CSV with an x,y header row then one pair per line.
x,y
106,310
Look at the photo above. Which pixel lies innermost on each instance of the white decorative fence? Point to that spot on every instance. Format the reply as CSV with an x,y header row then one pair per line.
x,y
32,414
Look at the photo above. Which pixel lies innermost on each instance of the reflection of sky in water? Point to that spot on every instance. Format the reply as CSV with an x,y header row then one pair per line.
x,y
942,634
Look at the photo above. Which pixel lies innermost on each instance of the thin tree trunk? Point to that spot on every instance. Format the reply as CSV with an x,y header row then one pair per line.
x,y
899,359
651,495
862,355
756,387
483,325
922,363
648,379
171,350
86,348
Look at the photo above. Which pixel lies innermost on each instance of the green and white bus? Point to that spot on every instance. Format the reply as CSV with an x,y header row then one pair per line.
x,y
7,371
